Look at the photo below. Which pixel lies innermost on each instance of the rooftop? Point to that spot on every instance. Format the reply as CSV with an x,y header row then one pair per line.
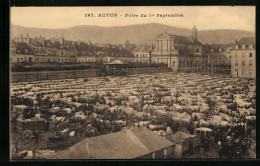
x,y
125,144
186,40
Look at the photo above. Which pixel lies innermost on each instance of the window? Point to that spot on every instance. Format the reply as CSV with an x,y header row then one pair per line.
x,y
136,55
250,62
173,64
183,63
242,72
243,63
250,55
250,72
236,62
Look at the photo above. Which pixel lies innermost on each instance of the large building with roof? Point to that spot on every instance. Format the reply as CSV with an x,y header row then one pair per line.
x,y
187,54
243,58
59,50
142,54
217,58
180,53
134,143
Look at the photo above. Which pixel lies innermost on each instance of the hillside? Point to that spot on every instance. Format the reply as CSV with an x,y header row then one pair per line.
x,y
138,34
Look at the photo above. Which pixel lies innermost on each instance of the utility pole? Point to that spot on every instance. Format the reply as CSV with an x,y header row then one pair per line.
x,y
170,55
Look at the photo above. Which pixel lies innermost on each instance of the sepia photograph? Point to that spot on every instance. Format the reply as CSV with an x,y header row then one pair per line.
x,y
132,82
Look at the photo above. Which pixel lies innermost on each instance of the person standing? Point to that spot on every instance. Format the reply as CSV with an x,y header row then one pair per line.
x,y
36,136
219,148
46,126
206,145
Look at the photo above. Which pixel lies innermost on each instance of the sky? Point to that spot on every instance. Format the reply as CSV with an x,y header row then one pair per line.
x,y
204,17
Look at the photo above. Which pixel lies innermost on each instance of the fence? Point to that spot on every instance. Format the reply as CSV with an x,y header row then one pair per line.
x,y
71,74
51,75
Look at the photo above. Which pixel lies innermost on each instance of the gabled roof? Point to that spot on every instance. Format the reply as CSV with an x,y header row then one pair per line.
x,y
179,136
125,144
22,47
216,47
35,43
247,41
185,40
144,49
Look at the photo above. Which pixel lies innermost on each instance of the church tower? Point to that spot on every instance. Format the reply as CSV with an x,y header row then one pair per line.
x,y
194,33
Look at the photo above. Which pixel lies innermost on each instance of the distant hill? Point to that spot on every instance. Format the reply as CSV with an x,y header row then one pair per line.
x,y
138,34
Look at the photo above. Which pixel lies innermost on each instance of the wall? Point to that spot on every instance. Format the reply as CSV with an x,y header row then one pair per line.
x,y
70,74
52,75
236,70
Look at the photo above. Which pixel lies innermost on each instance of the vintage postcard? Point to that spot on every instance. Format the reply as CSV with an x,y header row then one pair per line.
x,y
161,82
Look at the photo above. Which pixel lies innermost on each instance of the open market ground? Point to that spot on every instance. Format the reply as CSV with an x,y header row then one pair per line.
x,y
101,105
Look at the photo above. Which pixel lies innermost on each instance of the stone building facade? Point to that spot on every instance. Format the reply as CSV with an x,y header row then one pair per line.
x,y
142,54
179,52
217,58
243,58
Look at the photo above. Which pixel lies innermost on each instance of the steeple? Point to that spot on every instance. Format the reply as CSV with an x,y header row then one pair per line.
x,y
194,33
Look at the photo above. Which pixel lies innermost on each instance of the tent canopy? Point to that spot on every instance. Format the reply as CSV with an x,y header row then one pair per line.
x,y
116,62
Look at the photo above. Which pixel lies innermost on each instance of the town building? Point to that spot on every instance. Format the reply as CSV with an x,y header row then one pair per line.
x,y
59,50
21,52
217,58
180,53
142,54
243,58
